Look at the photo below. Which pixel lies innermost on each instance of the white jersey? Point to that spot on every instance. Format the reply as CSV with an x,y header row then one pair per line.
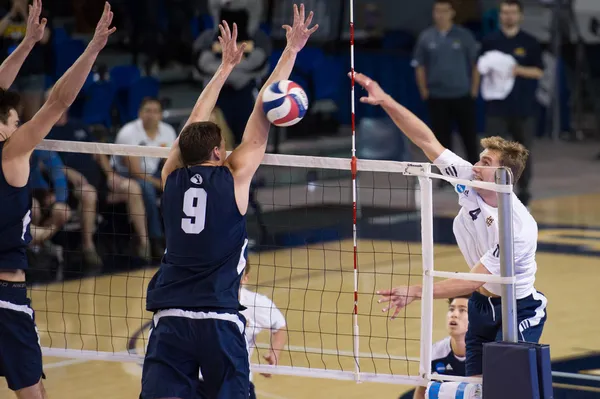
x,y
476,229
260,313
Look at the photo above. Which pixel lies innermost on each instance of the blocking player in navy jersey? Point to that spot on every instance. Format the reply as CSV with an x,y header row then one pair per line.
x,y
476,232
449,354
197,324
20,353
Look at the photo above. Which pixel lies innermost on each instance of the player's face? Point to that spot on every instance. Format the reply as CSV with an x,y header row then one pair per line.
x,y
485,169
12,123
151,114
510,15
458,317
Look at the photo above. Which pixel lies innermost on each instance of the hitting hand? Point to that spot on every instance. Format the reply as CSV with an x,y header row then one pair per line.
x,y
35,26
376,93
103,30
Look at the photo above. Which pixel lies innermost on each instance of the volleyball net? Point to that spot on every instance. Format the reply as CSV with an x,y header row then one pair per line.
x,y
302,257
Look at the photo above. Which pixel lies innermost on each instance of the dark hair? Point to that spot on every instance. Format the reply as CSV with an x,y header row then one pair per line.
x,y
449,2
147,100
8,100
197,142
458,297
517,3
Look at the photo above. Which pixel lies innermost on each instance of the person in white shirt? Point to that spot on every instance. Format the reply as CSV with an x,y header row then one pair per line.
x,y
476,231
147,130
448,355
260,314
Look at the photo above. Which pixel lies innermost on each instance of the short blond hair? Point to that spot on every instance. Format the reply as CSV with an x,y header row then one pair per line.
x,y
513,155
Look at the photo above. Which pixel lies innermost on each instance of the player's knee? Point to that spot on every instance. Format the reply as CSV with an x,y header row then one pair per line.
x,y
35,391
89,194
60,214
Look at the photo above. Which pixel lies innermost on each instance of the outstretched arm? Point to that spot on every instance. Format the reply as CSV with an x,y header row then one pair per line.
x,y
245,160
232,55
414,128
35,32
19,146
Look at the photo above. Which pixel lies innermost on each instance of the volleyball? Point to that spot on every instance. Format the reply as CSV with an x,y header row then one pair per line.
x,y
284,103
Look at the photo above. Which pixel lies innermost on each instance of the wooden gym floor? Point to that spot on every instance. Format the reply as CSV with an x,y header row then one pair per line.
x,y
313,287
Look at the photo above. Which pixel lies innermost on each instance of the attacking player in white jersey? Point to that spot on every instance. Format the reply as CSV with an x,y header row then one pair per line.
x,y
476,232
262,314
448,355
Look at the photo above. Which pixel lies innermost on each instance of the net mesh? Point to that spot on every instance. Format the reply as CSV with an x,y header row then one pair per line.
x,y
300,224
301,257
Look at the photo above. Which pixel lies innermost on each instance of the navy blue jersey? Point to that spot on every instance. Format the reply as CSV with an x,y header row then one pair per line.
x,y
445,361
15,217
206,242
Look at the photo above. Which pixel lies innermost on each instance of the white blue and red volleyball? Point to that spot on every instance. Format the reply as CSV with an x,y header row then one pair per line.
x,y
285,103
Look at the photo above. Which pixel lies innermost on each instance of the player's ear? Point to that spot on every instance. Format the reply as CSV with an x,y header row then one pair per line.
x,y
216,153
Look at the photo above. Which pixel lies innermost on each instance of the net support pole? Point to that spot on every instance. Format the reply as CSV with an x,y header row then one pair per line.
x,y
507,259
426,189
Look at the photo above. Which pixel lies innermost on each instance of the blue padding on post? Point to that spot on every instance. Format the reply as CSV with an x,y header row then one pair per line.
x,y
460,391
434,390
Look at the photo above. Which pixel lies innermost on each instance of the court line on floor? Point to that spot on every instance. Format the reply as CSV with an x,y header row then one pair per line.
x,y
64,363
268,395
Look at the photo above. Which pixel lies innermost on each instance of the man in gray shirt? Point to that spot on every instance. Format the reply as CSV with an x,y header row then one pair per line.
x,y
445,61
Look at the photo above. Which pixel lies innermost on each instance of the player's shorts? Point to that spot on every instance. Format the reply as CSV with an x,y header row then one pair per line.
x,y
184,343
20,352
252,391
485,325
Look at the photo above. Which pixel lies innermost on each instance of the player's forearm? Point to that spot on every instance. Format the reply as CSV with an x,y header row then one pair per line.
x,y
452,288
278,339
208,99
529,72
13,63
282,71
67,88
414,128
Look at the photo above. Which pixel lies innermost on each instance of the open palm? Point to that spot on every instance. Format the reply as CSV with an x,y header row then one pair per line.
x,y
35,26
232,54
376,94
297,35
103,29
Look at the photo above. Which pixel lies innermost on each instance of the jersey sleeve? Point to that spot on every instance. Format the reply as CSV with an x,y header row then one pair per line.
x,y
267,315
491,260
452,165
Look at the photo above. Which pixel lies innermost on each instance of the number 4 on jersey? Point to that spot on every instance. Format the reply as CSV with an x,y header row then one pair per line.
x,y
194,207
474,213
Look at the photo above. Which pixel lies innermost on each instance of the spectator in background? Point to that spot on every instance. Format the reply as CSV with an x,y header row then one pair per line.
x,y
514,115
95,180
239,93
147,130
31,81
445,61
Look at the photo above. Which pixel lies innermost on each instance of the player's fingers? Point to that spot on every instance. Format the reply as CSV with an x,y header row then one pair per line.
x,y
384,299
113,30
302,14
296,14
44,22
309,19
235,33
242,48
227,29
287,28
222,29
396,312
313,29
385,292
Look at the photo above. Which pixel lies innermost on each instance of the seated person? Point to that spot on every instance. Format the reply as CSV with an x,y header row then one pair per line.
x,y
449,354
147,130
93,173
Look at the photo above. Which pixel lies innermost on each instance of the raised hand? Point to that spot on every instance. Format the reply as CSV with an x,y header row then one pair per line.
x,y
232,54
399,297
35,26
298,34
103,30
376,94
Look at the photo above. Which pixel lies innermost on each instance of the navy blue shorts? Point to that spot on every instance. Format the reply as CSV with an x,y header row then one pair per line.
x,y
182,344
485,325
20,352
